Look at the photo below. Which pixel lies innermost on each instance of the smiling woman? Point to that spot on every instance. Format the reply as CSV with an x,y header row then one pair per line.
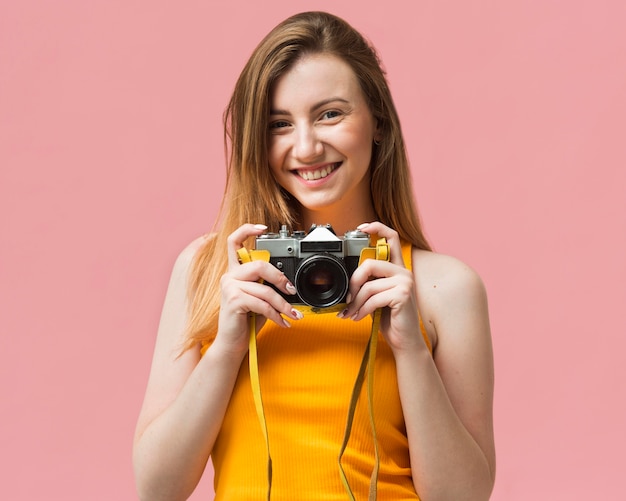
x,y
246,375
321,138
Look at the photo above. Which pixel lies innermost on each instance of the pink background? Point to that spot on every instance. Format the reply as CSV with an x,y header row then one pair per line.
x,y
111,161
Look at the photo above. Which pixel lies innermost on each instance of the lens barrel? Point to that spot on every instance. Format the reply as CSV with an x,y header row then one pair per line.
x,y
322,280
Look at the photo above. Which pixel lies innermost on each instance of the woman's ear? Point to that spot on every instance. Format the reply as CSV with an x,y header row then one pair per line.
x,y
378,133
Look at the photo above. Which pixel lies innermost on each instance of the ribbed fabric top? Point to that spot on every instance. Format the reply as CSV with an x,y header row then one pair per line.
x,y
306,376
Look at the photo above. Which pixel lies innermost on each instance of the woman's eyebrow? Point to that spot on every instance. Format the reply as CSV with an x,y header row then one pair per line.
x,y
314,107
329,101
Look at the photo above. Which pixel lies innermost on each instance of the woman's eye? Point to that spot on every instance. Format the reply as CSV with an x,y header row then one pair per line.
x,y
279,124
328,115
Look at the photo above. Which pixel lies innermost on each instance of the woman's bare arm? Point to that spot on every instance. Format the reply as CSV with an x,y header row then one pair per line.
x,y
187,395
447,398
185,401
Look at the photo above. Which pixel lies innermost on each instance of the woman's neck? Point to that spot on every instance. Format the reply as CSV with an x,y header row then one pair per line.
x,y
342,221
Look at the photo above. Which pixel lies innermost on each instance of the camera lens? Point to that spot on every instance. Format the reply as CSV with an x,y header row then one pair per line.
x,y
322,281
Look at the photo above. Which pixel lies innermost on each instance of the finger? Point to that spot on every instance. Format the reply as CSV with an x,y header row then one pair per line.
x,y
237,238
370,270
374,278
380,295
254,304
261,270
237,296
271,298
392,237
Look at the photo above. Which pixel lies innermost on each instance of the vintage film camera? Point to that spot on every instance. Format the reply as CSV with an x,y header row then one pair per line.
x,y
318,263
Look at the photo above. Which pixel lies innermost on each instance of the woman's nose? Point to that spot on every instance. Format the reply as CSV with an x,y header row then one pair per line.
x,y
307,146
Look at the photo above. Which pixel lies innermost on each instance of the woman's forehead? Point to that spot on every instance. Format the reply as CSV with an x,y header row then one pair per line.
x,y
315,79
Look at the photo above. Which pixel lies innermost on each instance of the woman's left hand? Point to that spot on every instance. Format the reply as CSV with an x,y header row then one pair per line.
x,y
390,286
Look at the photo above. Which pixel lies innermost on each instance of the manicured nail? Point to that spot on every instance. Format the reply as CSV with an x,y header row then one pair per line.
x,y
260,227
297,314
361,226
342,313
290,288
285,323
353,317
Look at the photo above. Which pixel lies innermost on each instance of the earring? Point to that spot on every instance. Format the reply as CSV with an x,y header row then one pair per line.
x,y
377,142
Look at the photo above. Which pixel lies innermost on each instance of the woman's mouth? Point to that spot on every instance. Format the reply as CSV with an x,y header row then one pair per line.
x,y
312,175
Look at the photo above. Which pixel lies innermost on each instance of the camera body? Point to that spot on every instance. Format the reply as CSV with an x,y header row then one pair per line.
x,y
318,263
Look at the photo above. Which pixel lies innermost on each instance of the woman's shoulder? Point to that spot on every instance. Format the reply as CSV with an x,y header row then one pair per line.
x,y
188,254
442,270
447,288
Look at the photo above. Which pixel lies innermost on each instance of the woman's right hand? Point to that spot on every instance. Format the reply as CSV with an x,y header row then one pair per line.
x,y
242,293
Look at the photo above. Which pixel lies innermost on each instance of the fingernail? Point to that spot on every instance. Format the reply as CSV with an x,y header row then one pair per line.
x,y
290,288
342,313
361,226
285,323
297,314
260,227
348,297
353,317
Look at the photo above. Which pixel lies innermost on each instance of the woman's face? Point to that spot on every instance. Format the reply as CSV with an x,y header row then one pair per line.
x,y
321,132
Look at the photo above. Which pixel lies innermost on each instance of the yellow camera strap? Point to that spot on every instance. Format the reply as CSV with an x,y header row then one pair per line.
x,y
246,256
258,401
367,366
380,251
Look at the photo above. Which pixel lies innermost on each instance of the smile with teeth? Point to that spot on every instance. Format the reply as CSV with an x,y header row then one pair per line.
x,y
312,175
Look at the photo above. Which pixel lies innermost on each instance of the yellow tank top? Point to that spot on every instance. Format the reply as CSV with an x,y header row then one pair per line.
x,y
307,374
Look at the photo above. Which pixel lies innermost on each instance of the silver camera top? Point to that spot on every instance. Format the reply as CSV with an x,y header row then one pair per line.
x,y
319,239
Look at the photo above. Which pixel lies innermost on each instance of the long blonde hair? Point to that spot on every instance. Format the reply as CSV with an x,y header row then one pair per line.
x,y
252,195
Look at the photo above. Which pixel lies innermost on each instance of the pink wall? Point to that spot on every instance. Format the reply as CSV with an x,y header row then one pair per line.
x,y
111,161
